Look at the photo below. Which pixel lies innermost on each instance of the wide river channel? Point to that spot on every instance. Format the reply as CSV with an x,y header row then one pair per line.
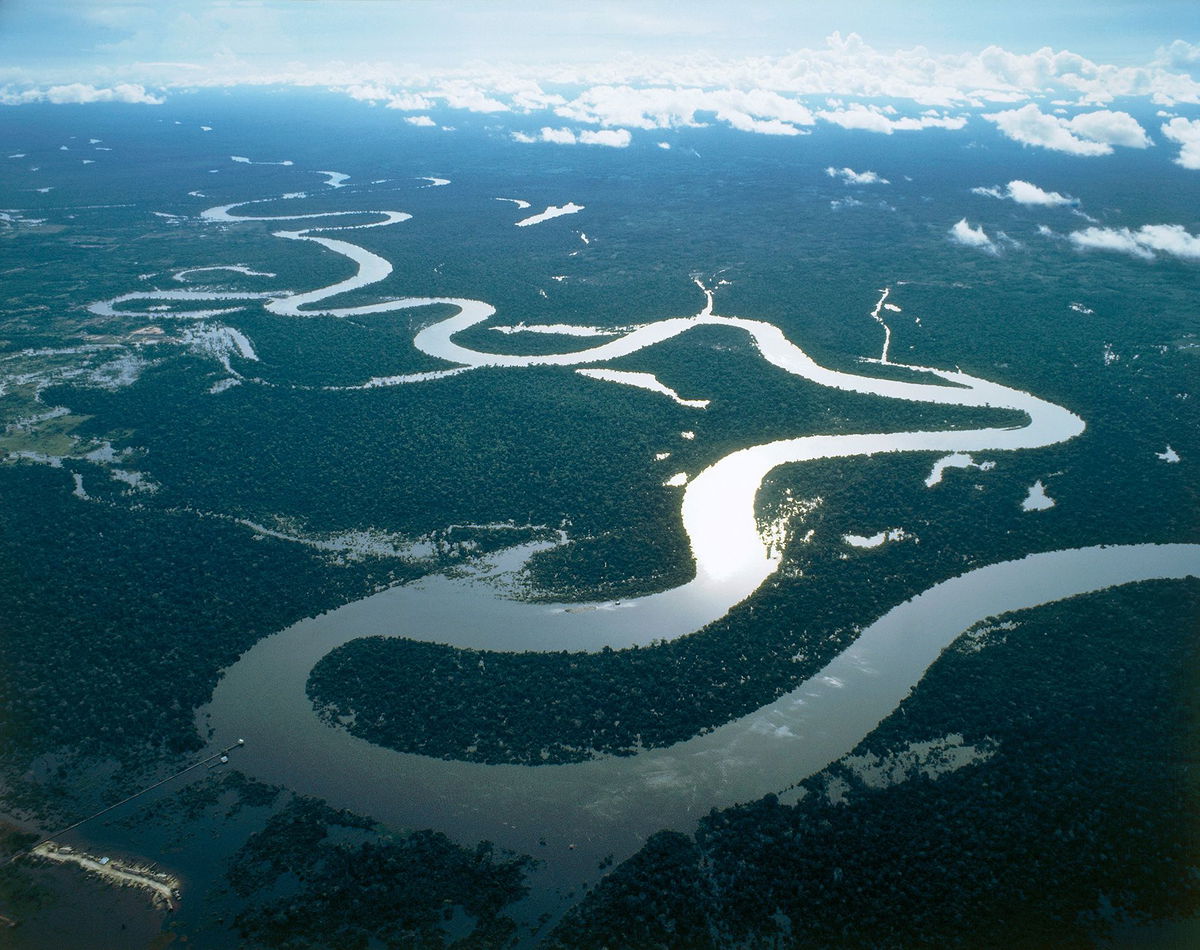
x,y
571,816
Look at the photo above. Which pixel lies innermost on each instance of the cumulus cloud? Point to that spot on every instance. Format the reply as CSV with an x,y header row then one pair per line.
x,y
1049,71
1090,133
524,94
1111,128
1179,55
963,233
663,107
613,138
465,95
78,93
1147,241
407,102
848,66
850,177
422,120
1026,193
377,92
1186,132
746,123
455,94
767,95
557,136
1030,126
1022,192
645,108
367,92
214,50
871,118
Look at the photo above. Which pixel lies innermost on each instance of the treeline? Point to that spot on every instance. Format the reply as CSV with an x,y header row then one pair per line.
x,y
1080,823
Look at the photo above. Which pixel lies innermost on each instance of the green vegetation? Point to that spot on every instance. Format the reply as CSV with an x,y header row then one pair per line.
x,y
146,608
1083,817
408,459
566,707
116,615
315,877
537,708
20,892
232,790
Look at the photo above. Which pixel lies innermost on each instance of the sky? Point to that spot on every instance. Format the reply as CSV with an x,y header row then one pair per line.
x,y
85,38
1082,77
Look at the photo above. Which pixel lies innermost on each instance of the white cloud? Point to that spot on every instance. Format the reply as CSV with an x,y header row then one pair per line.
x,y
746,123
465,95
1170,239
526,95
1090,133
646,108
1179,55
910,123
662,107
422,120
1111,128
1022,192
758,94
1025,193
851,177
557,136
1030,126
1187,133
172,48
872,118
1061,72
406,102
455,94
613,138
81,93
963,233
1110,239
858,116
370,92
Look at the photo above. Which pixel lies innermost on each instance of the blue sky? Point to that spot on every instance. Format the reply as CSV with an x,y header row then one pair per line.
x,y
82,37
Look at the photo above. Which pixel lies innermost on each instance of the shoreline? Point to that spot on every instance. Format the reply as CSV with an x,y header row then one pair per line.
x,y
162,886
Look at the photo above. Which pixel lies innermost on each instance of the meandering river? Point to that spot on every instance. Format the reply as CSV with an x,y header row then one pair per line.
x,y
572,815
